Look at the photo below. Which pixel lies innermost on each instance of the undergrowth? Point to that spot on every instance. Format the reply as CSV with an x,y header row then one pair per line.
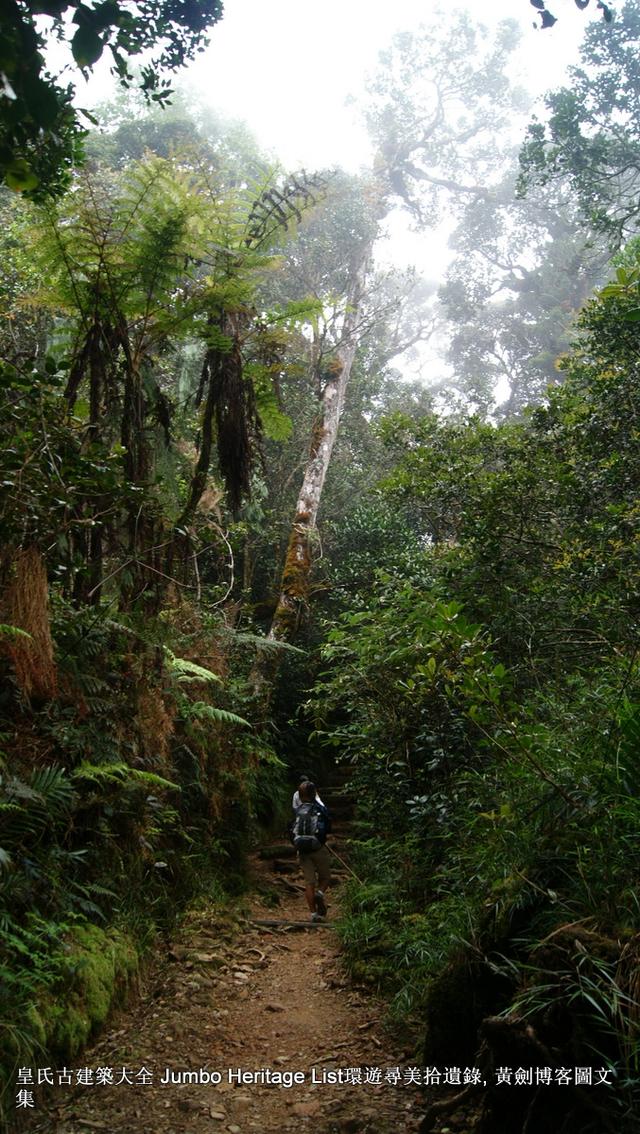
x,y
496,851
130,796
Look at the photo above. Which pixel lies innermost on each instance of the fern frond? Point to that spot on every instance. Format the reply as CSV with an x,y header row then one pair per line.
x,y
48,786
52,785
92,685
121,627
280,207
150,779
201,711
243,637
100,773
298,311
99,890
12,631
9,807
29,809
89,908
118,244
187,670
118,772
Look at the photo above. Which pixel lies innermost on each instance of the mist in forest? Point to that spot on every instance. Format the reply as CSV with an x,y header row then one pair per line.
x,y
486,262
320,402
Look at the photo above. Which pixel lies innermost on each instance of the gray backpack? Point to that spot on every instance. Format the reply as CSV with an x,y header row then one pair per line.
x,y
308,832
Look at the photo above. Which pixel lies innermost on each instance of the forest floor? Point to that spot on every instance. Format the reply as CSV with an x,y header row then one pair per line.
x,y
227,998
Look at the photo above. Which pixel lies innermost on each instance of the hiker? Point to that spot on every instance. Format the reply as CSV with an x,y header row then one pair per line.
x,y
295,802
309,831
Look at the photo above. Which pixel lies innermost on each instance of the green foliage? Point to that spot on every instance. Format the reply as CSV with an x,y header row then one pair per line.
x,y
60,980
373,539
188,671
132,267
151,809
41,130
589,142
478,670
104,774
44,461
491,720
425,666
200,711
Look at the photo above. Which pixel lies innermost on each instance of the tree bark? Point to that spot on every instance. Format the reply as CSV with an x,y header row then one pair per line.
x,y
294,587
24,604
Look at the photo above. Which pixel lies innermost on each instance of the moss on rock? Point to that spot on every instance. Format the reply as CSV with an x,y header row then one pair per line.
x,y
99,965
102,962
35,1025
69,1027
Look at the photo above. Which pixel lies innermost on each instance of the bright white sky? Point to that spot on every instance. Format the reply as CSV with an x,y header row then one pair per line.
x,y
287,66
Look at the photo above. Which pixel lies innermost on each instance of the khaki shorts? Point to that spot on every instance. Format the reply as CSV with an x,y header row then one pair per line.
x,y
317,862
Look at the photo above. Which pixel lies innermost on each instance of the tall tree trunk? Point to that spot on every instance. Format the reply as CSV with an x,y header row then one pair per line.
x,y
143,584
296,576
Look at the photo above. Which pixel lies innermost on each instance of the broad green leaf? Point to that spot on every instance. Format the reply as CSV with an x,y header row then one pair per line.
x,y
20,176
86,46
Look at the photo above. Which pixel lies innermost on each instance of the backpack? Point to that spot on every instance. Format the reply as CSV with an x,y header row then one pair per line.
x,y
309,828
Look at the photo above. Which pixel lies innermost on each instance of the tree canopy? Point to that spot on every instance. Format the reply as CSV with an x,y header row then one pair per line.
x,y
41,130
589,140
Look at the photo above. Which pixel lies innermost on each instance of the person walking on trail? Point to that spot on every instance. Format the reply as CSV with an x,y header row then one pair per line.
x,y
296,801
309,831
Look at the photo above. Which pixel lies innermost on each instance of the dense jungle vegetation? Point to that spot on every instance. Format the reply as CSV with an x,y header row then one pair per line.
x,y
205,584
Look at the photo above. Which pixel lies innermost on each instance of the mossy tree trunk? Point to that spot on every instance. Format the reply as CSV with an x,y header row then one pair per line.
x,y
332,378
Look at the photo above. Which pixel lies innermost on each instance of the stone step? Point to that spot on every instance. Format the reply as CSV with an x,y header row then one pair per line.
x,y
277,850
281,867
335,790
337,795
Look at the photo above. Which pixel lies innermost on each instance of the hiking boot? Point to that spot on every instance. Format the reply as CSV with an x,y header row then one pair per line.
x,y
321,905
316,917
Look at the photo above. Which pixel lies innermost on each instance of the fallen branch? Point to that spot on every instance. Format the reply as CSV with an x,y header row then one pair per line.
x,y
272,923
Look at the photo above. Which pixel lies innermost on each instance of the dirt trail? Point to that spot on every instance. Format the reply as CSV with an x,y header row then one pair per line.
x,y
249,1000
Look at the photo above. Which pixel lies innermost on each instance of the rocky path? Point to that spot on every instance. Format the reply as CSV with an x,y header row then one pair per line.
x,y
242,1028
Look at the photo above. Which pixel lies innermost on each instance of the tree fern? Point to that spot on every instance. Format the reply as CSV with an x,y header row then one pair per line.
x,y
117,246
154,254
